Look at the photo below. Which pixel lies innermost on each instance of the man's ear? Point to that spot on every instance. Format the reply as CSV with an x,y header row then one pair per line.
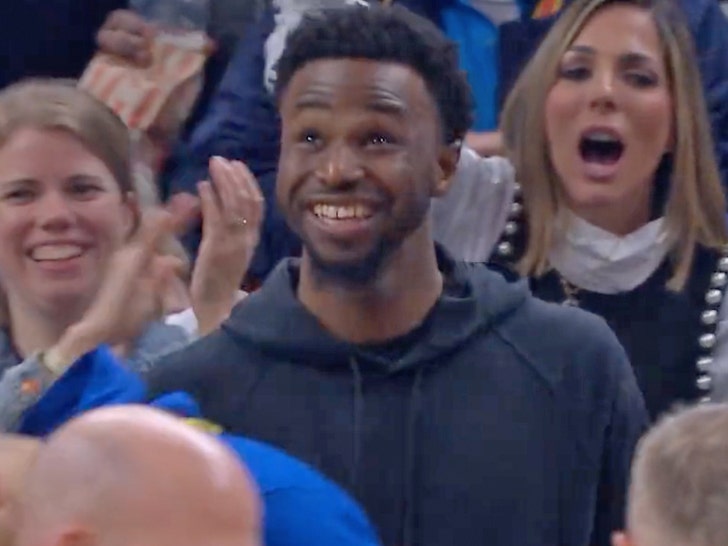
x,y
447,163
621,539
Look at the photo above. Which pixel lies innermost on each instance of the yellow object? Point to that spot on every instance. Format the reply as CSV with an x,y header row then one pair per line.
x,y
204,425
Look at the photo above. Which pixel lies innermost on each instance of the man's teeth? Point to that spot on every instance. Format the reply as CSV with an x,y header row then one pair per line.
x,y
342,213
56,252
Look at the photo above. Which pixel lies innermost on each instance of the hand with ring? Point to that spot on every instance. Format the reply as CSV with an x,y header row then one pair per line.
x,y
232,213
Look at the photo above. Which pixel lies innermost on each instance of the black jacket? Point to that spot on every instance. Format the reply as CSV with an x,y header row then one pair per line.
x,y
502,420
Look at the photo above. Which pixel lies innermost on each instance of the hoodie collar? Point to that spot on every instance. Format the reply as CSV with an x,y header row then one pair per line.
x,y
275,321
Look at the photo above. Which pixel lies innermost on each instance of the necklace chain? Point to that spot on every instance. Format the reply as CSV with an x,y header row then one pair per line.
x,y
571,293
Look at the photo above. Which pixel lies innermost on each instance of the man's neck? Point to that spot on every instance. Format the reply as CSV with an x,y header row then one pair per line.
x,y
391,306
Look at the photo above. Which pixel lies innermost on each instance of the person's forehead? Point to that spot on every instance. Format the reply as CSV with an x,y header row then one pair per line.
x,y
361,79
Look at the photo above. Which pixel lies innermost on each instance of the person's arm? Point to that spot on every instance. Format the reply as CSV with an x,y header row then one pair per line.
x,y
96,379
48,388
310,516
240,123
21,387
127,35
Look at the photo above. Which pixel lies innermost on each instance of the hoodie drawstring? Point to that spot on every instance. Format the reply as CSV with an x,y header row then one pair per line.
x,y
410,453
358,410
409,493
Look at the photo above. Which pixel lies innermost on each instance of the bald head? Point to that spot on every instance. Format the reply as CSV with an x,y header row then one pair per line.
x,y
679,487
16,456
133,475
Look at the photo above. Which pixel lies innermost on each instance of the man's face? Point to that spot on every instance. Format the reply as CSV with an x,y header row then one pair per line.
x,y
361,156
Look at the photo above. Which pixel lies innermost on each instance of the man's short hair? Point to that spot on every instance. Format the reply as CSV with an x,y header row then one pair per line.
x,y
388,34
679,489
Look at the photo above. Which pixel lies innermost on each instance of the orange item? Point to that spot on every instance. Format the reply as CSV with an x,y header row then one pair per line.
x,y
30,387
158,97
547,8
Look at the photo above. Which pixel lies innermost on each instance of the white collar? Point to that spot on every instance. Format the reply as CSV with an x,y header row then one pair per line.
x,y
594,259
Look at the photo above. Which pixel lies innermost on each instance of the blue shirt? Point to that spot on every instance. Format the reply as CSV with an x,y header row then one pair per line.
x,y
301,507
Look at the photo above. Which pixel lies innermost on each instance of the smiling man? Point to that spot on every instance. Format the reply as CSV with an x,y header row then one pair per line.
x,y
453,405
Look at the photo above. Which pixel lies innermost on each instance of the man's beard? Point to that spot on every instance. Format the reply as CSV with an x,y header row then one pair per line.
x,y
364,271
352,274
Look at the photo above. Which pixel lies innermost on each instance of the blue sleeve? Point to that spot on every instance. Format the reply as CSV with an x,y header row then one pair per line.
x,y
314,517
709,28
96,379
628,422
241,122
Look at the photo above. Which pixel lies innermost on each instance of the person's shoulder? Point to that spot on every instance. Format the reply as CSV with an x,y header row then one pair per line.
x,y
575,329
551,339
566,343
219,345
201,364
273,468
302,506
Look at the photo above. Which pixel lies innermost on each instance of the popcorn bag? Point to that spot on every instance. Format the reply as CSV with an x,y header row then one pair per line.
x,y
156,99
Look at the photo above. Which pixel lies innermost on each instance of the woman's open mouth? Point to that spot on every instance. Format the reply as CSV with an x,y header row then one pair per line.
x,y
601,150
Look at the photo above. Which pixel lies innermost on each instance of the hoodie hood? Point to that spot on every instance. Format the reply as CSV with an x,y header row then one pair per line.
x,y
474,300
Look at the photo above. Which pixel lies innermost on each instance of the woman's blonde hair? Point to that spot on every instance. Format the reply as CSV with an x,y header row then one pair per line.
x,y
58,105
695,205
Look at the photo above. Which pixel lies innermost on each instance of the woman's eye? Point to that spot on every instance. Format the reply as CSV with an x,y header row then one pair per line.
x,y
19,196
84,190
640,79
576,73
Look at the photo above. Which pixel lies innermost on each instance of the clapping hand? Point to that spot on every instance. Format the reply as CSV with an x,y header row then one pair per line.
x,y
232,212
131,293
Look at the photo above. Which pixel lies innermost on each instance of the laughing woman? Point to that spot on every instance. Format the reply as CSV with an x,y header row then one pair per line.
x,y
80,265
620,209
